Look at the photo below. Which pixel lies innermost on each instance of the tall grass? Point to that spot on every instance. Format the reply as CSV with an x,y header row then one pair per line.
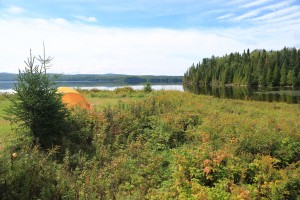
x,y
165,145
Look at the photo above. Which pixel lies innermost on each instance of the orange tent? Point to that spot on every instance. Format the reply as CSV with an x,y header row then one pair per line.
x,y
71,97
65,90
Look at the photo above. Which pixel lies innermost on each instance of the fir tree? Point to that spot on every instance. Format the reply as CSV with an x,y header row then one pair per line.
x,y
291,78
36,108
283,74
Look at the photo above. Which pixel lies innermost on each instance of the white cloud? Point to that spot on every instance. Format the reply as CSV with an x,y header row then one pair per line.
x,y
86,19
235,2
256,12
15,10
285,18
278,13
278,5
255,3
247,15
226,16
79,48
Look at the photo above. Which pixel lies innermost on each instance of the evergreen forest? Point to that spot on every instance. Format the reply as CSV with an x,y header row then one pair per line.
x,y
105,78
256,68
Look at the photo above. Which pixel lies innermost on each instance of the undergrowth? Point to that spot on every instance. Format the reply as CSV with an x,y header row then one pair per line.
x,y
162,145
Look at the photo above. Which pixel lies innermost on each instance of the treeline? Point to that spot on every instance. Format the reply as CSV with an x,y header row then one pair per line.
x,y
106,78
121,79
258,68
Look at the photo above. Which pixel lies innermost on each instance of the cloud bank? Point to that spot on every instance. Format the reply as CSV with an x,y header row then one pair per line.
x,y
135,37
81,48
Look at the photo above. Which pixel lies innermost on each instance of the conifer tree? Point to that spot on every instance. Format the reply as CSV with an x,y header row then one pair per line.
x,y
283,74
258,68
291,78
275,76
269,76
36,108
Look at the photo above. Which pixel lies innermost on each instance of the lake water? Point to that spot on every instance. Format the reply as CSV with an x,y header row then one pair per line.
x,y
7,86
285,94
288,95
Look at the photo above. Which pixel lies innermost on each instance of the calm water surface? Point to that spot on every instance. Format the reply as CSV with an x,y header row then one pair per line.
x,y
8,86
289,95
285,94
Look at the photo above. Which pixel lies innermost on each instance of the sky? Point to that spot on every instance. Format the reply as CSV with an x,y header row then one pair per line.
x,y
141,37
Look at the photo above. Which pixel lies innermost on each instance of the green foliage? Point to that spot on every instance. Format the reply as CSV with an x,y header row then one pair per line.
x,y
106,78
36,108
166,145
147,87
124,90
291,78
258,68
29,175
283,72
82,126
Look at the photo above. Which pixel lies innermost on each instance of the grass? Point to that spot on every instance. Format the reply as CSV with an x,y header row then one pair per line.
x,y
100,99
175,145
219,114
6,135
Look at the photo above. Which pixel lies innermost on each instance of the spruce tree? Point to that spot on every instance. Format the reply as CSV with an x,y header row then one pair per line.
x,y
283,74
269,77
291,78
258,68
275,75
36,108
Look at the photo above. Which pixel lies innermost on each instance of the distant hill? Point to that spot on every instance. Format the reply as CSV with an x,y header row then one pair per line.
x,y
106,78
8,77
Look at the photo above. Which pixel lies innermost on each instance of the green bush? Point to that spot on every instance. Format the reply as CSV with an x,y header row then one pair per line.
x,y
30,175
147,88
124,90
82,127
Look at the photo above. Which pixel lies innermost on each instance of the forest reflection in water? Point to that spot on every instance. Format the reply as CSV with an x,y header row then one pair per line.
x,y
283,94
288,95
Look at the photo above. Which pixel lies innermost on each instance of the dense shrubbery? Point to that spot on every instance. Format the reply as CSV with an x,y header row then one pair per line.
x,y
166,145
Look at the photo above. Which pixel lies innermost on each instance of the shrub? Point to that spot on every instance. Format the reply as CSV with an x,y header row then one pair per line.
x,y
83,126
124,90
168,145
31,175
147,87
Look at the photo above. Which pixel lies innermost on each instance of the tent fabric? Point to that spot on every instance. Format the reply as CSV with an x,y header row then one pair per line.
x,y
71,98
65,90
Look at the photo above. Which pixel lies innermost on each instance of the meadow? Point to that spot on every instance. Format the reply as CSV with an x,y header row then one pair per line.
x,y
161,145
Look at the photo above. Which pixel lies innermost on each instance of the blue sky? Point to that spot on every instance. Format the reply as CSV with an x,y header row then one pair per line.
x,y
141,36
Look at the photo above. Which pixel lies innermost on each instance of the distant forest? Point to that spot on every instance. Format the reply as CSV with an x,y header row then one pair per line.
x,y
258,68
106,78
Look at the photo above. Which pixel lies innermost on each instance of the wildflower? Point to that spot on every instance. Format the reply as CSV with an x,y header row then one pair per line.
x,y
14,155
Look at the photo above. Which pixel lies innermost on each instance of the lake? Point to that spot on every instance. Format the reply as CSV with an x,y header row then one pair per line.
x,y
7,86
288,95
284,94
